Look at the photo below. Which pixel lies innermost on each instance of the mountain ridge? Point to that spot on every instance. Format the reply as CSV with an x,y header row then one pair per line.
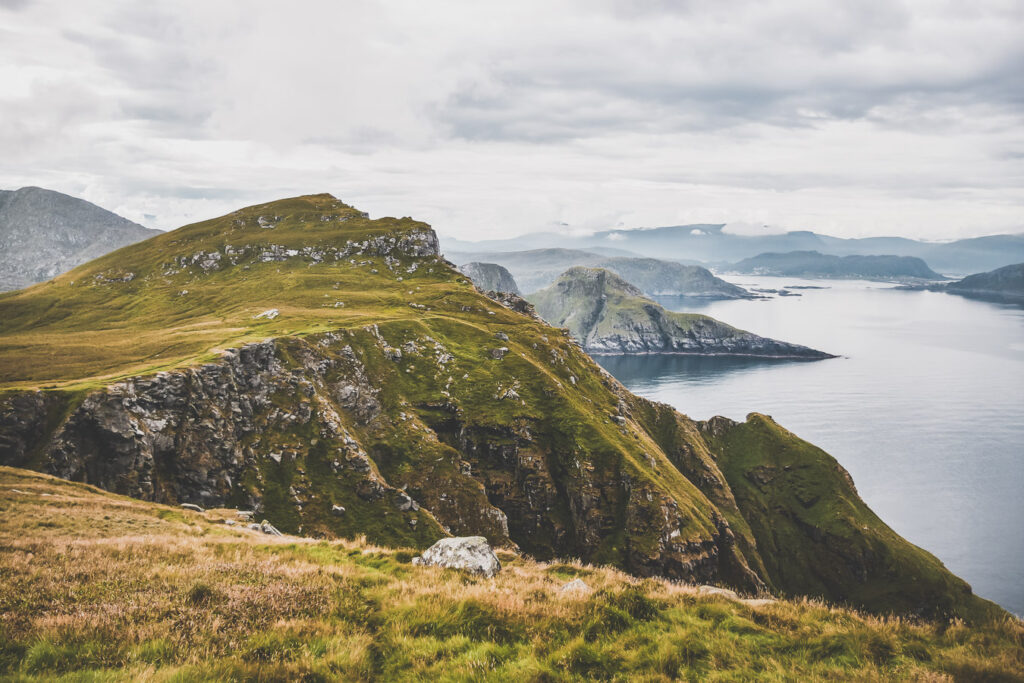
x,y
710,244
44,233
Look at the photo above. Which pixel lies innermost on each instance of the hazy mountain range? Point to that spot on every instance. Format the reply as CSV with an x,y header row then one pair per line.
x,y
538,268
44,233
709,244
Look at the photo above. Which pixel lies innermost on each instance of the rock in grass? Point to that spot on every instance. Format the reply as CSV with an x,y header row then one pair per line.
x,y
268,528
469,553
715,590
575,586
192,507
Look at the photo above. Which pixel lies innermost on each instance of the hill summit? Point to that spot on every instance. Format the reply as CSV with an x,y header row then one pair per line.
x,y
335,375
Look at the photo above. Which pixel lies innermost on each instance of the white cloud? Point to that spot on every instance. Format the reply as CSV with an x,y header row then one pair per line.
x,y
487,120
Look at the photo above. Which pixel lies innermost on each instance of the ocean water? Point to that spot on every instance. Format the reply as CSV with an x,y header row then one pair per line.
x,y
925,407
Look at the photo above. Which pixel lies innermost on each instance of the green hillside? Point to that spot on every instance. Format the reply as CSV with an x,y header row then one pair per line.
x,y
389,399
98,587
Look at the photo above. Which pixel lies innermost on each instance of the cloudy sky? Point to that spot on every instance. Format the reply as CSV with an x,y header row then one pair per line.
x,y
493,119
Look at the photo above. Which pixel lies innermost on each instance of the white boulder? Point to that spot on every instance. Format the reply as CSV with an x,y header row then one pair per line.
x,y
469,553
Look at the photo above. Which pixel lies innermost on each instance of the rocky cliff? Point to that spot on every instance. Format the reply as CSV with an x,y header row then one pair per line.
x,y
373,391
490,277
44,233
610,316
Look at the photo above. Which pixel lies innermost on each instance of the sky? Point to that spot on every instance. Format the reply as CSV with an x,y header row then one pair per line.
x,y
489,120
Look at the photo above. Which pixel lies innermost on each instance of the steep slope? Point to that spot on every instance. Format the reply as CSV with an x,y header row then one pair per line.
x,y
101,587
609,315
336,375
1006,282
815,264
490,277
44,233
787,490
539,268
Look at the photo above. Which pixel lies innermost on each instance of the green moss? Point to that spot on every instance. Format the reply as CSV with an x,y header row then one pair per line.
x,y
817,537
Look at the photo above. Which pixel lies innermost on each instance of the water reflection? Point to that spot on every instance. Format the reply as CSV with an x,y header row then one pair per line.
x,y
642,371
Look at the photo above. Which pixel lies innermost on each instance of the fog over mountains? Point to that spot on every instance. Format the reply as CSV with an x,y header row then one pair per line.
x,y
711,245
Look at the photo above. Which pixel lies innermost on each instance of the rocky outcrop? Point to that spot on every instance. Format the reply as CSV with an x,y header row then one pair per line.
x,y
610,316
490,277
44,233
297,429
471,554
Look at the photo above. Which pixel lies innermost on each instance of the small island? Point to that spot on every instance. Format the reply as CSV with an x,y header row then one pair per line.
x,y
813,264
610,316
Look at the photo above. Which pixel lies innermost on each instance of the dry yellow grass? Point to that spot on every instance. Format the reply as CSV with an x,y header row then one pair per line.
x,y
101,587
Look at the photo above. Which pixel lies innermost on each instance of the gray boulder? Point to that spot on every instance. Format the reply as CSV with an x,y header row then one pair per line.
x,y
268,528
469,553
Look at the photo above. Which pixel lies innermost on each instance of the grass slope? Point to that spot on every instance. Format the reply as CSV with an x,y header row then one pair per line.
x,y
817,537
140,309
99,587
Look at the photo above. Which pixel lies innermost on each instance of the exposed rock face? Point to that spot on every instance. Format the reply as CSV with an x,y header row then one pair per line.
x,y
45,233
610,316
218,435
469,553
490,277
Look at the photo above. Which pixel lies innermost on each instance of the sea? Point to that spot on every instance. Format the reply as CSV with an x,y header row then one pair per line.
x,y
924,406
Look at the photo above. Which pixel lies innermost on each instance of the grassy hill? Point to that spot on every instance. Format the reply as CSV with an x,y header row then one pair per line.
x,y
178,298
335,374
102,587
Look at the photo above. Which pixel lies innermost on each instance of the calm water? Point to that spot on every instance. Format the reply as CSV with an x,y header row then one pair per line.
x,y
925,408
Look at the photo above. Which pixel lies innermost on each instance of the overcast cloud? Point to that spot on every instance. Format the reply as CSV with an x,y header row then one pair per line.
x,y
488,120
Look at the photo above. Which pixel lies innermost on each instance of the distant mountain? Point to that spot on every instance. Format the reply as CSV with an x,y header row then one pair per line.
x,y
44,233
490,277
709,244
817,265
1006,282
539,268
609,316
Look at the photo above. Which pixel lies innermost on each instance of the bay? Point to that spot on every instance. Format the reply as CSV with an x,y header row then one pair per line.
x,y
925,407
